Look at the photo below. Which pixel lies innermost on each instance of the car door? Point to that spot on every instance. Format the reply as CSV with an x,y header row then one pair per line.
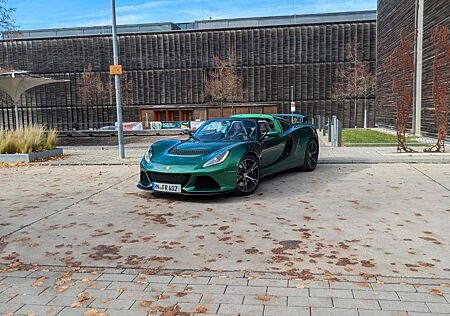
x,y
272,145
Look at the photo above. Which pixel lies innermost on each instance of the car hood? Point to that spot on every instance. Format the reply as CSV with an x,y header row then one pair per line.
x,y
197,148
188,152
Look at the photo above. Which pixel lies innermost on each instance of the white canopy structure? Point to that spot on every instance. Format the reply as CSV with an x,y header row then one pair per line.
x,y
16,83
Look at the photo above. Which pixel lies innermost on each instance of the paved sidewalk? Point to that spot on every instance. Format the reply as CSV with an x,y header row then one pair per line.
x,y
108,155
345,155
132,292
373,154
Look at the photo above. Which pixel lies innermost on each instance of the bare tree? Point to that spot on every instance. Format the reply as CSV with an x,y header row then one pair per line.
x,y
8,29
95,90
367,88
222,83
354,80
92,90
7,22
126,88
400,66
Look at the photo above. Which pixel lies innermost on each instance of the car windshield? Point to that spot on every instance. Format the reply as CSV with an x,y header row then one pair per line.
x,y
227,130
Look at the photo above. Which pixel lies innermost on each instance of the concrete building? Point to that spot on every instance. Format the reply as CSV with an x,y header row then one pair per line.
x,y
167,64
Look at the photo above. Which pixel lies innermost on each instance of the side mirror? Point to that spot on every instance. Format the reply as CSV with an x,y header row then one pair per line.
x,y
185,132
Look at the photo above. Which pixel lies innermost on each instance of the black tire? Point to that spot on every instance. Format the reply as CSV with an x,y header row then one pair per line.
x,y
311,156
248,175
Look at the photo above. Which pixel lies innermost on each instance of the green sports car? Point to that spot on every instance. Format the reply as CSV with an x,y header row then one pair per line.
x,y
230,155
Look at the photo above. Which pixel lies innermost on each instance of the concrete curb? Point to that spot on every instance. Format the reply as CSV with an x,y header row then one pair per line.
x,y
420,279
13,158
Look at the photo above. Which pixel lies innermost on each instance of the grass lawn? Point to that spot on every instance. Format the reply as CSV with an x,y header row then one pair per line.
x,y
352,137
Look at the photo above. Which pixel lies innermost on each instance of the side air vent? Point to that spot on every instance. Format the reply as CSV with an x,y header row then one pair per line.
x,y
206,182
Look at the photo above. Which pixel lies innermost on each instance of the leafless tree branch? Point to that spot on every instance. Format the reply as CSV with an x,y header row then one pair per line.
x,y
222,83
354,80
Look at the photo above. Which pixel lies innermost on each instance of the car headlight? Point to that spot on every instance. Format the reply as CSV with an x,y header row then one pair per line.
x,y
217,159
148,155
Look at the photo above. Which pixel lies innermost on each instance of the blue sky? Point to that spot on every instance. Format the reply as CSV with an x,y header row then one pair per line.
x,y
32,14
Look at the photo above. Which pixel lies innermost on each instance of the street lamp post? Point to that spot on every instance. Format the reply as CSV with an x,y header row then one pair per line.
x,y
117,82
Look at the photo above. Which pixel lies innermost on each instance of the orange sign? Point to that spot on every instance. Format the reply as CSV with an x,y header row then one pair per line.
x,y
115,69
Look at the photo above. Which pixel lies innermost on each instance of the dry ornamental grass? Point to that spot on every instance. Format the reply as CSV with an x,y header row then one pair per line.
x,y
27,140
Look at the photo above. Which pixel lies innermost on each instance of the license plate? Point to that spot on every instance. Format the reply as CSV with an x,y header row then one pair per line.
x,y
166,187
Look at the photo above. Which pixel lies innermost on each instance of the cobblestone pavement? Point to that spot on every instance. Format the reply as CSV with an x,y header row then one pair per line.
x,y
130,292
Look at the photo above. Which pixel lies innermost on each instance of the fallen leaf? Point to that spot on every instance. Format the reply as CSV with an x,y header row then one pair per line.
x,y
39,281
201,309
436,292
145,303
82,298
88,282
263,298
94,312
162,297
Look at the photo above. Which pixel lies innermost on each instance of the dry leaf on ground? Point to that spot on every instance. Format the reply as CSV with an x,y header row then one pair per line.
x,y
436,292
201,309
145,304
82,298
94,312
263,298
39,281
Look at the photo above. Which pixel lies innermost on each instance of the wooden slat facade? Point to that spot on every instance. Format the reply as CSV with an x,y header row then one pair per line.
x,y
435,13
394,16
168,68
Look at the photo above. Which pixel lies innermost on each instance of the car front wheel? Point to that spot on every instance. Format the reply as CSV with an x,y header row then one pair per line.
x,y
247,176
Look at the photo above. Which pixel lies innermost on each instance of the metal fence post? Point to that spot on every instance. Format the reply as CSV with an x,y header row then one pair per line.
x,y
324,131
334,130
330,128
339,133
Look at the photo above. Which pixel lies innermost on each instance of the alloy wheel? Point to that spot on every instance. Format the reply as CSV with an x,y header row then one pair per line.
x,y
248,175
312,155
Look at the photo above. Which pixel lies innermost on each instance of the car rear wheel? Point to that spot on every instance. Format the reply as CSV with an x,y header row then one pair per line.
x,y
311,156
247,176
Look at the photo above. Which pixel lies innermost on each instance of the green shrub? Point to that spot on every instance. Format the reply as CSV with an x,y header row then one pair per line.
x,y
27,140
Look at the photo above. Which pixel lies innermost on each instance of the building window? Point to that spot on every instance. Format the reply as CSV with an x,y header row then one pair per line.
x,y
186,115
174,115
161,115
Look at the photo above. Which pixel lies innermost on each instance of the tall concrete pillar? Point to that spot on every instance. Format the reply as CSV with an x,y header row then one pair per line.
x,y
417,106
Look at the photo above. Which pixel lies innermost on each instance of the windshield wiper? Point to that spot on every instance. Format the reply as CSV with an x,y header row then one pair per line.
x,y
191,136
